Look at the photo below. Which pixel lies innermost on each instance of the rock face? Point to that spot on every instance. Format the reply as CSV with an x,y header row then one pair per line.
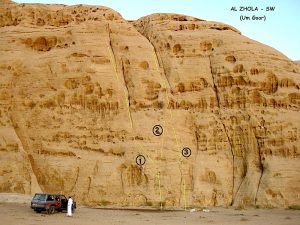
x,y
82,88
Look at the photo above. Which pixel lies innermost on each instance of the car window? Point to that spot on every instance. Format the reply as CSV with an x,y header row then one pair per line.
x,y
50,198
39,197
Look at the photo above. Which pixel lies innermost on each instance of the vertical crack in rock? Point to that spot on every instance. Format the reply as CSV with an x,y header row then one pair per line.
x,y
32,164
214,83
122,181
181,184
158,58
126,86
76,180
197,150
127,96
192,178
247,190
88,187
240,185
261,166
232,154
197,141
224,127
161,64
20,134
50,69
24,144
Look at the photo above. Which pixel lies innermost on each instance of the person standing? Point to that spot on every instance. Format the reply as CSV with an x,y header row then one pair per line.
x,y
70,204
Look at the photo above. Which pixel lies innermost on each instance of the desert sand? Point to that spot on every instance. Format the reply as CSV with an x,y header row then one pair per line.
x,y
81,89
16,213
15,209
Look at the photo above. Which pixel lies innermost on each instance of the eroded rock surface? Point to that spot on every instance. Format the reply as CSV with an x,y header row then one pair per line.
x,y
82,88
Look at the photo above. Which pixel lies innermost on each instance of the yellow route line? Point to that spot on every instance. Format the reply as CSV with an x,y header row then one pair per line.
x,y
160,194
168,100
184,194
144,152
174,131
132,127
161,146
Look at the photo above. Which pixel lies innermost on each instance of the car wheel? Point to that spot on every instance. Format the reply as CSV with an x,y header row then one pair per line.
x,y
51,210
38,211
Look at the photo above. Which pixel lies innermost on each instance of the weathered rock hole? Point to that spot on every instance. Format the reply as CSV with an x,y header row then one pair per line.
x,y
238,68
206,46
71,84
180,87
254,71
127,62
271,84
177,48
100,60
168,46
191,26
40,22
41,43
230,58
286,82
144,65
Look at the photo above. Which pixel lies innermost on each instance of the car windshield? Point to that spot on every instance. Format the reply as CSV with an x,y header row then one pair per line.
x,y
39,197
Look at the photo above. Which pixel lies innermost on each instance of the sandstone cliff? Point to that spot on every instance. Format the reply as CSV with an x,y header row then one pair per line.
x,y
82,88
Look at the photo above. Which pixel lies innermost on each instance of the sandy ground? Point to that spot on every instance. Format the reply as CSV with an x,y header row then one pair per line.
x,y
16,211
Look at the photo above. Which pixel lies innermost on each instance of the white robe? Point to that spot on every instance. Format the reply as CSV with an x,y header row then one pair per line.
x,y
70,203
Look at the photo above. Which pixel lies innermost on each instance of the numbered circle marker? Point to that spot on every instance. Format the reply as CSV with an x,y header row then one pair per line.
x,y
140,160
186,152
157,130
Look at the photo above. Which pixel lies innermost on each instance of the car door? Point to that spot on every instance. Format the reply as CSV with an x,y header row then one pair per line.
x,y
64,202
57,201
